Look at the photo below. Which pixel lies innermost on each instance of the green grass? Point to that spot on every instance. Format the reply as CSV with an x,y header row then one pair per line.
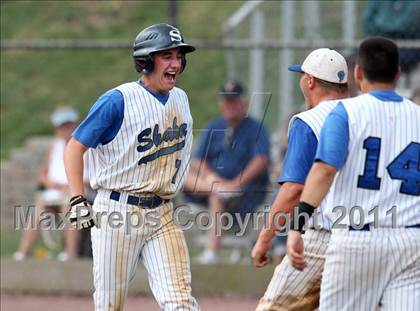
x,y
9,242
34,82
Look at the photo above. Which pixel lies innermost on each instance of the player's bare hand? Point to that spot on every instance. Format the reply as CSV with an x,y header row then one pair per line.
x,y
81,213
259,253
295,250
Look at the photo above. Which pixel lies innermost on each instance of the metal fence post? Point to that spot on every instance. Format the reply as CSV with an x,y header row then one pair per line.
x,y
286,58
348,24
230,59
230,25
256,59
312,21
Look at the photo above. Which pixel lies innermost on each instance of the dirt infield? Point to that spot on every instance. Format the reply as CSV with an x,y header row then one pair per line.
x,y
82,303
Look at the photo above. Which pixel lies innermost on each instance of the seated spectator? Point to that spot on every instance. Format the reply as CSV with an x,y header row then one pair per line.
x,y
54,193
230,169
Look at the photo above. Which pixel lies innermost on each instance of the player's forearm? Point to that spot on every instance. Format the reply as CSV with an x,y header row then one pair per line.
x,y
256,167
318,183
73,162
287,198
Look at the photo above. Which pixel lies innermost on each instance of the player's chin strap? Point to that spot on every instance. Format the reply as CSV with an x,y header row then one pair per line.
x,y
303,210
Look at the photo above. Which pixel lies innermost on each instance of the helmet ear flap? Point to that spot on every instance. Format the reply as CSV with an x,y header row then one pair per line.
x,y
143,64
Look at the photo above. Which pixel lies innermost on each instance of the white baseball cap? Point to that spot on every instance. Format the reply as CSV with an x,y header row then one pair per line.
x,y
325,64
64,115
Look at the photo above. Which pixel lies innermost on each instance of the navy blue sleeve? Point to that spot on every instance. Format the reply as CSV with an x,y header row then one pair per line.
x,y
103,121
301,149
334,140
262,144
203,143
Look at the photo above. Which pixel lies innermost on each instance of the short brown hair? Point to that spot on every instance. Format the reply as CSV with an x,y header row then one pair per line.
x,y
337,87
379,59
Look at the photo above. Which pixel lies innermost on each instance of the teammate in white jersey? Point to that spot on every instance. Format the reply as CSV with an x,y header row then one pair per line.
x,y
140,137
368,157
323,81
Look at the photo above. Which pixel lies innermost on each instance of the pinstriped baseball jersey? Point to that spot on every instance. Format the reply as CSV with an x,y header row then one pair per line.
x,y
381,169
155,159
364,269
315,118
290,289
140,138
148,155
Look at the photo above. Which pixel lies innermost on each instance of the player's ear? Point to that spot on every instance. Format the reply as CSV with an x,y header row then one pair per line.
x,y
358,73
311,82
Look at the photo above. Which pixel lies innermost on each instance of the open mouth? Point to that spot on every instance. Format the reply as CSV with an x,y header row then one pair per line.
x,y
170,76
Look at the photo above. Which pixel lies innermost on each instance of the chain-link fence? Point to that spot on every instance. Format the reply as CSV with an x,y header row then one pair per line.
x,y
260,40
268,36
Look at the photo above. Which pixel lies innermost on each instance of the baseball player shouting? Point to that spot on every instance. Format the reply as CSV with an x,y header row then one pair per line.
x,y
368,157
140,137
323,81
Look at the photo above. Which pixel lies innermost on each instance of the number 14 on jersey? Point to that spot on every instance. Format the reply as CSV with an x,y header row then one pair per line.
x,y
405,167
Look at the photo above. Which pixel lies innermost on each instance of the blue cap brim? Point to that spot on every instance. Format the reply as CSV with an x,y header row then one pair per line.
x,y
295,68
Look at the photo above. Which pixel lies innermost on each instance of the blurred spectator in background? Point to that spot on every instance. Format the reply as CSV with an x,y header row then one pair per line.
x,y
54,193
230,168
395,20
416,96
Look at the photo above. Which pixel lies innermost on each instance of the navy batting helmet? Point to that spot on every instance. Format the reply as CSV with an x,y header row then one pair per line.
x,y
157,38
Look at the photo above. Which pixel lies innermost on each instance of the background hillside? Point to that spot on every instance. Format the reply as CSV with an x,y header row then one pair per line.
x,y
33,82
